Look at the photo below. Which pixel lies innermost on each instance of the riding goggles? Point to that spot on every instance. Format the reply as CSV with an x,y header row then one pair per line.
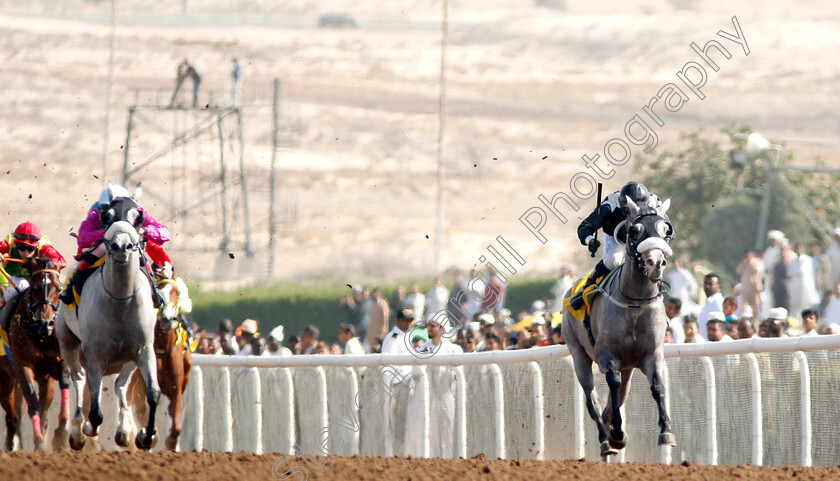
x,y
27,237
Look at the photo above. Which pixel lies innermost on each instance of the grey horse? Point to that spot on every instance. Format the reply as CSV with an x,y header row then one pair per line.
x,y
112,331
628,324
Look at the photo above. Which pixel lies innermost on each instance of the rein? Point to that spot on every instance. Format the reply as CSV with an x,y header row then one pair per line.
x,y
102,277
640,303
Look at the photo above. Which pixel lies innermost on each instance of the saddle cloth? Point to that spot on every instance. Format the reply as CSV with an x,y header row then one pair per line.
x,y
588,295
5,348
76,295
182,339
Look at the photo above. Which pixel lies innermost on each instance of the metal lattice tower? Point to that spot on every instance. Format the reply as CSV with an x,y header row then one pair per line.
x,y
204,187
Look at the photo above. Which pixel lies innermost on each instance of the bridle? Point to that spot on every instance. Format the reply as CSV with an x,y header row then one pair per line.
x,y
632,251
33,306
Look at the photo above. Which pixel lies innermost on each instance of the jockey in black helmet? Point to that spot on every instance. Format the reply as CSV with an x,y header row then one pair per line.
x,y
607,216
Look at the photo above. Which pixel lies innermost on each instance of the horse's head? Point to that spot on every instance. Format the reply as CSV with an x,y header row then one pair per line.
x,y
42,297
121,241
648,232
122,209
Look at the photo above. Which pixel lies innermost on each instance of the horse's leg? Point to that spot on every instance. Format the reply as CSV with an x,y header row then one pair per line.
x,y
94,382
583,370
62,372
71,350
171,387
77,375
7,402
124,427
610,366
654,367
147,436
606,415
27,381
46,391
186,363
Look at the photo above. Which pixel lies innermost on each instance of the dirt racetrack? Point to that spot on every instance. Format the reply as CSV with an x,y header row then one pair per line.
x,y
24,466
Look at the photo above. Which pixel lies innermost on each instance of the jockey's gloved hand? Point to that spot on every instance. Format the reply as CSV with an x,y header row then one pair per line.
x,y
593,245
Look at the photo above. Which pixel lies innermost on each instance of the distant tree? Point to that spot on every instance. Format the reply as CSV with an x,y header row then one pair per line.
x,y
715,207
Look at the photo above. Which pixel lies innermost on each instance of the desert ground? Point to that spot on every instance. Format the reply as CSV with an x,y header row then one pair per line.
x,y
530,88
225,466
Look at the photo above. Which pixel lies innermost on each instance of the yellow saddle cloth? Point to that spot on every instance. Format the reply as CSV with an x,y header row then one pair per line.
x,y
182,339
588,295
5,347
76,295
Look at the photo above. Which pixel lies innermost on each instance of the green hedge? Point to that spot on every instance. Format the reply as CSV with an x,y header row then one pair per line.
x,y
298,305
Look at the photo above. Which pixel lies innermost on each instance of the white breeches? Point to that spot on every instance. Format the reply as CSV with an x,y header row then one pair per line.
x,y
22,284
613,252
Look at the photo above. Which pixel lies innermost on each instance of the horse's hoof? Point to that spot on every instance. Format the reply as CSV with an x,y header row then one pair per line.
x,y
607,450
77,441
121,438
618,443
59,440
39,443
171,443
667,439
89,430
144,442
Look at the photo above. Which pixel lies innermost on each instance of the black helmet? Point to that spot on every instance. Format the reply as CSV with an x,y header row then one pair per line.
x,y
633,190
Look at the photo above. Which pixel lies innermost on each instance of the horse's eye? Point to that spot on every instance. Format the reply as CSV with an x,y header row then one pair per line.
x,y
664,229
638,230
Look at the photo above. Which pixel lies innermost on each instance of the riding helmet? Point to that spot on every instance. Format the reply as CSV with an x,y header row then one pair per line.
x,y
633,190
28,233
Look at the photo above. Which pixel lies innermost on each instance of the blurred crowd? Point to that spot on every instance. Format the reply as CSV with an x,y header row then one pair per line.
x,y
474,306
785,290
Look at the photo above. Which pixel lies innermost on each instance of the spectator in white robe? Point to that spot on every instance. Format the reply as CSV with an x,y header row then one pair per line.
x,y
683,287
436,298
833,255
803,289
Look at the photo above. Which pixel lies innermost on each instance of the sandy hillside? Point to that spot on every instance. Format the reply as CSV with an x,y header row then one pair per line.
x,y
529,90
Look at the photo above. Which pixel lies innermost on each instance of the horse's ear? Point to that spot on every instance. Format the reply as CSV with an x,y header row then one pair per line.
x,y
632,208
663,209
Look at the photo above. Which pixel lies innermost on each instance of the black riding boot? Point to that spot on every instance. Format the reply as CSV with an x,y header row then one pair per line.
x,y
6,312
600,270
77,281
157,297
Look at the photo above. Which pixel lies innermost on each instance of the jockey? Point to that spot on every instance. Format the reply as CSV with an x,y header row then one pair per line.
x,y
165,274
607,216
24,244
92,247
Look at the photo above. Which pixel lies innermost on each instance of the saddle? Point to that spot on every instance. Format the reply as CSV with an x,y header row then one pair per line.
x,y
589,294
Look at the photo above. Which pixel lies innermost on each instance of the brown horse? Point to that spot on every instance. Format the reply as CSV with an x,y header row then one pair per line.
x,y
174,362
10,401
36,358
